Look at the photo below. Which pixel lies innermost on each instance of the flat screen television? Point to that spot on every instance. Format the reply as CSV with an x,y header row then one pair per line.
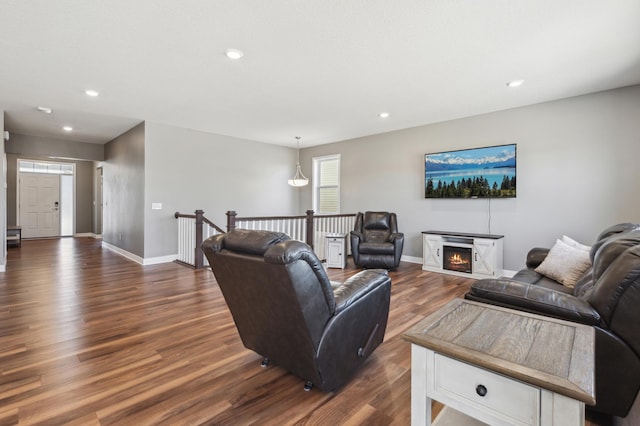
x,y
488,172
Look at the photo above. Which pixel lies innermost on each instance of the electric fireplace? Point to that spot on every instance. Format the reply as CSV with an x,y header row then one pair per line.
x,y
457,258
463,254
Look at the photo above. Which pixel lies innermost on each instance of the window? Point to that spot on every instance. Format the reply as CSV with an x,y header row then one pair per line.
x,y
326,184
45,167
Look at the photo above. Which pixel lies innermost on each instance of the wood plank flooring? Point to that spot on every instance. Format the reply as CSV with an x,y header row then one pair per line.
x,y
88,337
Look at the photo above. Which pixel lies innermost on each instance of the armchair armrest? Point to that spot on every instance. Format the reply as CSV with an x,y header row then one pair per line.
x,y
355,238
396,236
535,299
358,286
356,234
536,256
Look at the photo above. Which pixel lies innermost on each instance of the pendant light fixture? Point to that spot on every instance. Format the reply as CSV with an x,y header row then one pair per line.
x,y
298,179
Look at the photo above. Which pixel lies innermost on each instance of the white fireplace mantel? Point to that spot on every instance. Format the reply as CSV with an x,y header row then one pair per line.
x,y
485,249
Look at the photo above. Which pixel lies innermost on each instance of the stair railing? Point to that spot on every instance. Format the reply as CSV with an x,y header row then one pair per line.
x,y
193,229
312,229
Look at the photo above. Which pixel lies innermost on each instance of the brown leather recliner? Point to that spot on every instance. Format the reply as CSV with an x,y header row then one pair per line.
x,y
375,240
607,297
287,310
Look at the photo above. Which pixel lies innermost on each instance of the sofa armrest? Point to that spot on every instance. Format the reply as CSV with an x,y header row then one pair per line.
x,y
358,286
535,299
536,256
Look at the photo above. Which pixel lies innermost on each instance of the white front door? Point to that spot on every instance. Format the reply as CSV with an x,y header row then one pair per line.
x,y
39,205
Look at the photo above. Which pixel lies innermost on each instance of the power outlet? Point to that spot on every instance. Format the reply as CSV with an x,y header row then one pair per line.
x,y
120,236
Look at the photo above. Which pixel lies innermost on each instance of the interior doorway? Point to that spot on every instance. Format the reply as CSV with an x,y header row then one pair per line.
x,y
98,203
45,199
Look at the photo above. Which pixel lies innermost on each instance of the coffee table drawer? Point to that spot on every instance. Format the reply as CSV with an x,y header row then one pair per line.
x,y
505,399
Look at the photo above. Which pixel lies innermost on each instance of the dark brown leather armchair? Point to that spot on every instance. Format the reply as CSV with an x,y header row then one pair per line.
x,y
287,310
375,240
607,297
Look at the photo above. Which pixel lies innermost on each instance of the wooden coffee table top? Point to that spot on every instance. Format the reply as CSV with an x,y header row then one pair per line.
x,y
545,352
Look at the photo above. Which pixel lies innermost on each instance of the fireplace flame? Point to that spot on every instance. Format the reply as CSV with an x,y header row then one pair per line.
x,y
456,259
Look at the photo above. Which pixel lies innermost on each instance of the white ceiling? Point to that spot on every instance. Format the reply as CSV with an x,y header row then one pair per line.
x,y
320,69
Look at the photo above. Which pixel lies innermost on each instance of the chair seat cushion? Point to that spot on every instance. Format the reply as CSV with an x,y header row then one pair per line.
x,y
376,248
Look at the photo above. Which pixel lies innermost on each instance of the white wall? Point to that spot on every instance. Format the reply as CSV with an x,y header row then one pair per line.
x,y
577,172
186,170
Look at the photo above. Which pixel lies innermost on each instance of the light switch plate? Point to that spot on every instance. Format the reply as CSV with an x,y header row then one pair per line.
x,y
156,206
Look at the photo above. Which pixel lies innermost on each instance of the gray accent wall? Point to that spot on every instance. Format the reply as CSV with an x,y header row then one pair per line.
x,y
186,170
577,162
123,191
37,148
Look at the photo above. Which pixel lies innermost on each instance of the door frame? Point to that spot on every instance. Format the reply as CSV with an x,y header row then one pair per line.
x,y
74,168
98,200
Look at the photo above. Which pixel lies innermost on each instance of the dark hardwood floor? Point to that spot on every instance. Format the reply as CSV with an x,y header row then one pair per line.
x,y
88,337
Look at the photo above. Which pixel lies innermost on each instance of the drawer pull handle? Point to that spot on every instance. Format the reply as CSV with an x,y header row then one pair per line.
x,y
481,390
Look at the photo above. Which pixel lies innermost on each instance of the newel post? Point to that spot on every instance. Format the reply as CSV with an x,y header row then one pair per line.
x,y
309,228
231,220
198,259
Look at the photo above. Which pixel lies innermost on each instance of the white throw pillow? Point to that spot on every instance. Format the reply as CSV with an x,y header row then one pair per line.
x,y
573,243
565,264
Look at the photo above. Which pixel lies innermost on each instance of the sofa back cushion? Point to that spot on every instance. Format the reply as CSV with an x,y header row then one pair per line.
x,y
615,293
604,236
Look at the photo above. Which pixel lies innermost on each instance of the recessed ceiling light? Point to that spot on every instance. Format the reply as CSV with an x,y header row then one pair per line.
x,y
383,115
515,83
234,53
67,128
91,93
45,110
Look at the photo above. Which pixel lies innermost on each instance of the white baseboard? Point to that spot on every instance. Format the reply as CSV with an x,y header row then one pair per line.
x,y
161,259
88,235
84,234
123,252
411,259
139,260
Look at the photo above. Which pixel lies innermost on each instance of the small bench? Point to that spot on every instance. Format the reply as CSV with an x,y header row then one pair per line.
x,y
14,235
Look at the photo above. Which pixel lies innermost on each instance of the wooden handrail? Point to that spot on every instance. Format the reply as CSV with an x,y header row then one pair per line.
x,y
198,215
213,225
